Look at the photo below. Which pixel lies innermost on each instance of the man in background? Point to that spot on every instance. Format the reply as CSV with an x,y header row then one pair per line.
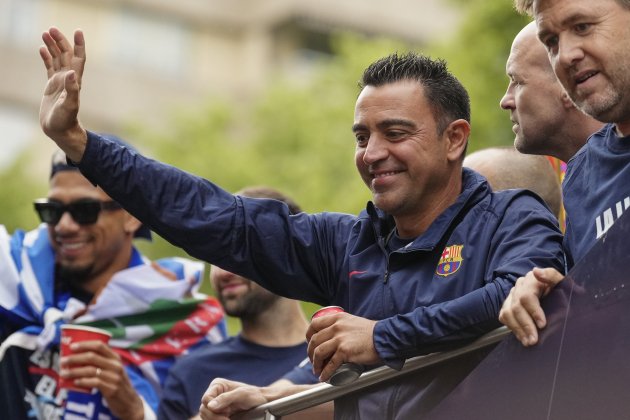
x,y
271,342
586,43
546,121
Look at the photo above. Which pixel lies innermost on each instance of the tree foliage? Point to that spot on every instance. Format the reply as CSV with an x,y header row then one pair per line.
x,y
477,55
296,136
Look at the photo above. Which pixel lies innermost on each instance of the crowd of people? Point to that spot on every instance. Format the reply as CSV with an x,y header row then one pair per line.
x,y
448,248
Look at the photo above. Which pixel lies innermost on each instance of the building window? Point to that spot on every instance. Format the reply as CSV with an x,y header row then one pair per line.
x,y
19,21
152,43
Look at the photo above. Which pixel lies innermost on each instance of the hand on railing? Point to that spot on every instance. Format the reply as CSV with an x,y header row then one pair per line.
x,y
223,398
521,311
338,338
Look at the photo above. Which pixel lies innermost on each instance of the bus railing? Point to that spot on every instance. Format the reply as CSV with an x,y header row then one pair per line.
x,y
323,393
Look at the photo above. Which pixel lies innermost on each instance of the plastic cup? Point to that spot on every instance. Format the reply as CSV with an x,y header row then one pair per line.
x,y
74,334
347,372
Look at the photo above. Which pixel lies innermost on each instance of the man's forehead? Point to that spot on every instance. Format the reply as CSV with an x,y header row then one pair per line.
x,y
75,184
552,15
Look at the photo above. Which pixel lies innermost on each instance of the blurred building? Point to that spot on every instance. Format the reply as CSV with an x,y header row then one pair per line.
x,y
147,56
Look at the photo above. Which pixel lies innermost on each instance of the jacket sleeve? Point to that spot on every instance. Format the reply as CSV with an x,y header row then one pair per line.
x,y
527,236
256,238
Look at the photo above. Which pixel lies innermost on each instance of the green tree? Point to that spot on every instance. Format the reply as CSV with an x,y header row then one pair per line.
x,y
477,55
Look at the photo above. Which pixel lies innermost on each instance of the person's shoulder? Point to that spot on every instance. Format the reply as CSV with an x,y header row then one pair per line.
x,y
517,200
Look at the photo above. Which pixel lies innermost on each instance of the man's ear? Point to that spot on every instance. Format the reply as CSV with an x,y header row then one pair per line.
x,y
131,224
456,134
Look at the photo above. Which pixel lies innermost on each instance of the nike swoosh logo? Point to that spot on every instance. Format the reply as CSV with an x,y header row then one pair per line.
x,y
352,273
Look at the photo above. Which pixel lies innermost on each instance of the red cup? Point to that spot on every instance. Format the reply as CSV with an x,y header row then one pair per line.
x,y
347,372
74,334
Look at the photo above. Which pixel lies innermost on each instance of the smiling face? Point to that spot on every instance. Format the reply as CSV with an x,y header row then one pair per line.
x,y
85,253
240,297
534,97
587,43
407,165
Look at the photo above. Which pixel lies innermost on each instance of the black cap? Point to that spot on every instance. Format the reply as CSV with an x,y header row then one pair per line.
x,y
60,162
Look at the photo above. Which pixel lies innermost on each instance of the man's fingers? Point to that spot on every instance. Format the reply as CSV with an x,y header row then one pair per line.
x,y
47,59
212,392
331,365
518,312
79,44
79,54
506,316
321,354
63,45
53,50
549,276
206,414
531,311
528,332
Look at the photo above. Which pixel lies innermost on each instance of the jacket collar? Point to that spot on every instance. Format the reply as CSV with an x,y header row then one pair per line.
x,y
474,188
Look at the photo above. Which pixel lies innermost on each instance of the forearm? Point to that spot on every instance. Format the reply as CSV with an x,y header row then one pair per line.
x,y
437,327
239,234
283,388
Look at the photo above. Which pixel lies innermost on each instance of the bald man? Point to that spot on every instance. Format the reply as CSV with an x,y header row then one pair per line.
x,y
546,122
506,168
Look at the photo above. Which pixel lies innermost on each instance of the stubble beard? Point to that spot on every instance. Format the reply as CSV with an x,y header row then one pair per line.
x,y
611,105
74,276
249,306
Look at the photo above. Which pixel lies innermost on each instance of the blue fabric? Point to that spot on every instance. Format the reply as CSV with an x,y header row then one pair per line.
x,y
236,359
596,190
302,373
341,259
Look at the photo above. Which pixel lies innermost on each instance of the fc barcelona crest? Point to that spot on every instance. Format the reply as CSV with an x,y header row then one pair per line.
x,y
450,261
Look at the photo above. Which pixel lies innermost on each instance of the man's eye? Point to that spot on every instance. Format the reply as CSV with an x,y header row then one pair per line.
x,y
582,27
361,138
395,134
551,42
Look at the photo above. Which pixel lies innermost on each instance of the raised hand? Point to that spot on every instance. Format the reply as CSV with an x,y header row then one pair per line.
x,y
59,109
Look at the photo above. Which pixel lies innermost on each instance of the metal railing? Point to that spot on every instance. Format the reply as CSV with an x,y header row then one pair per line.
x,y
325,392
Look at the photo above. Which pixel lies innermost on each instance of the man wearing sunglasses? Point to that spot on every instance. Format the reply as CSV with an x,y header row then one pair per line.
x,y
80,267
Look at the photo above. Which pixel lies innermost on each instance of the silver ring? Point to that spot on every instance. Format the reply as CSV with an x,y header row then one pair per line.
x,y
98,371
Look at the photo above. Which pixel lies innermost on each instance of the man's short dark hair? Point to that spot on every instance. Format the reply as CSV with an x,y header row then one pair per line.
x,y
447,97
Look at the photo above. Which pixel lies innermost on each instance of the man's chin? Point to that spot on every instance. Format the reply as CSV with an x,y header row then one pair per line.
x,y
73,273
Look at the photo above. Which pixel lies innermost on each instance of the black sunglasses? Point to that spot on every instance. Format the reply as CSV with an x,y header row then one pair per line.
x,y
84,212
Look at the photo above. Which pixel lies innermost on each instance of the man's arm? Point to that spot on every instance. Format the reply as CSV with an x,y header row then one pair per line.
x,y
521,311
224,398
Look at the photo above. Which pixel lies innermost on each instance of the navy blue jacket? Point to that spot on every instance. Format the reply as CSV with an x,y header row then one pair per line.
x,y
443,289
596,190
